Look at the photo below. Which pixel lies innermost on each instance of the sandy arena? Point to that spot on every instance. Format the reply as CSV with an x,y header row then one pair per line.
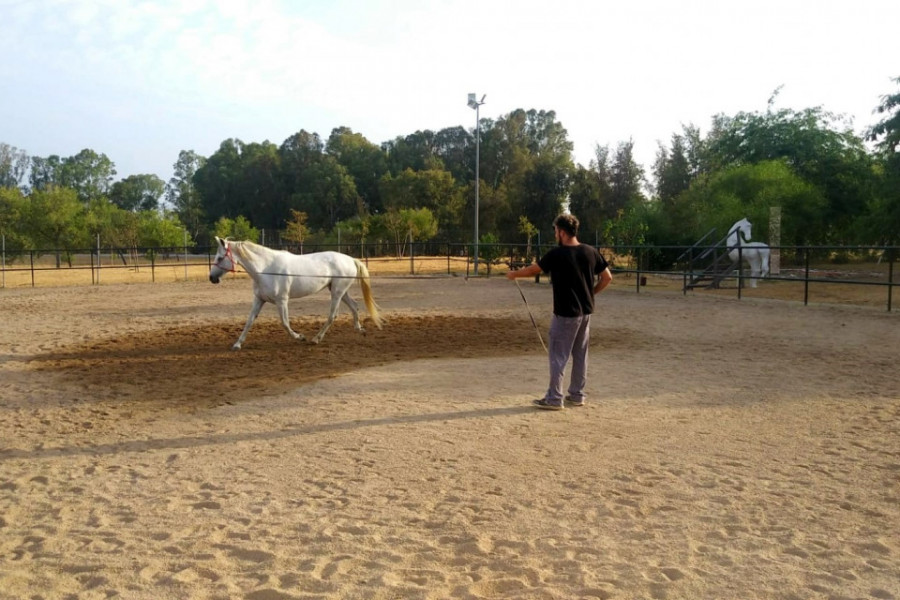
x,y
729,449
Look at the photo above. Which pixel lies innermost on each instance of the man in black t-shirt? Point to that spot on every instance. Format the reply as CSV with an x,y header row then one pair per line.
x,y
577,273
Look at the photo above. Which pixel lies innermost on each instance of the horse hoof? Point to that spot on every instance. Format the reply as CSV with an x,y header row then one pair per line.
x,y
235,347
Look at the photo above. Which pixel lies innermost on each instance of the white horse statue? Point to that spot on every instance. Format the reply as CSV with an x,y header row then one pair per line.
x,y
755,253
279,276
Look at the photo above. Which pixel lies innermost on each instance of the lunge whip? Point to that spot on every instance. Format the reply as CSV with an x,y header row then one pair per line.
x,y
536,330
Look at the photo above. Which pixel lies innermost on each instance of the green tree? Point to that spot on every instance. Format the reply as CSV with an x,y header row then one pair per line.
x,y
431,188
236,229
817,146
296,229
364,161
261,185
88,173
217,181
160,230
13,166
626,178
45,172
137,193
590,192
13,218
672,171
56,219
749,191
420,222
182,194
527,229
490,250
316,183
886,133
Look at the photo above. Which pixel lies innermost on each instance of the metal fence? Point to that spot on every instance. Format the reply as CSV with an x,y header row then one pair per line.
x,y
798,273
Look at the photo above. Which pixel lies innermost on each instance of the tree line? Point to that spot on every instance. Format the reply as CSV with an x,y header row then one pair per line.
x,y
831,187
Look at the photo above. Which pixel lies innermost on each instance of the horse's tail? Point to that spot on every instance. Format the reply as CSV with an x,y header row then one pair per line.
x,y
363,274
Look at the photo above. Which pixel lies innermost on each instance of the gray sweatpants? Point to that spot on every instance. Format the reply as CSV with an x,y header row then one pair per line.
x,y
569,336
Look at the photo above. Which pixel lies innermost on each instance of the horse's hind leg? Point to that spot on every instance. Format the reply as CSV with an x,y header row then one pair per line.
x,y
286,320
254,312
354,308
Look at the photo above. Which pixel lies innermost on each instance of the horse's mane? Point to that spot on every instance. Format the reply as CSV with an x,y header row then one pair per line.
x,y
249,250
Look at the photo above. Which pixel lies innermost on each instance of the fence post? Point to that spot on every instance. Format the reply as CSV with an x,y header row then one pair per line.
x,y
890,277
637,274
806,279
740,268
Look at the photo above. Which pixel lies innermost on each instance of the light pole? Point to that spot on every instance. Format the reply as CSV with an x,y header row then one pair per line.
x,y
473,103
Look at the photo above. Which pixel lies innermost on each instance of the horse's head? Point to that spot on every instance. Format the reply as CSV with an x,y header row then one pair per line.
x,y
223,261
743,228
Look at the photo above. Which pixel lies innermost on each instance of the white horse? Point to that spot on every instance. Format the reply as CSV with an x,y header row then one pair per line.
x,y
755,253
279,276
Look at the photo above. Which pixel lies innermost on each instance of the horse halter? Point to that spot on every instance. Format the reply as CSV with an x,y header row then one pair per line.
x,y
230,258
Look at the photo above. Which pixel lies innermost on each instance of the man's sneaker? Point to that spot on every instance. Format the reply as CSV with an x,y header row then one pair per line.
x,y
574,401
545,404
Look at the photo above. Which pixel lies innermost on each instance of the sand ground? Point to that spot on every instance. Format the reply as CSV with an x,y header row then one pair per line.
x,y
729,449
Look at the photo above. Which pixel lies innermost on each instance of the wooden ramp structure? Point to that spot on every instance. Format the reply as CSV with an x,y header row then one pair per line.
x,y
708,264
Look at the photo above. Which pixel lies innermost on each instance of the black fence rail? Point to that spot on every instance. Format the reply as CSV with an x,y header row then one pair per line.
x,y
805,266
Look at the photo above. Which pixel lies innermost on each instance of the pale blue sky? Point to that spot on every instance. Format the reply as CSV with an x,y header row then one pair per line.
x,y
141,80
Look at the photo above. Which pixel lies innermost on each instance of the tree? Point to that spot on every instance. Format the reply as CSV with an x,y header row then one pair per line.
x,y
56,219
13,214
417,151
296,229
261,185
217,181
316,183
626,178
672,171
182,194
527,229
886,133
45,172
749,191
815,144
13,166
364,161
590,193
236,229
160,230
433,189
137,193
88,173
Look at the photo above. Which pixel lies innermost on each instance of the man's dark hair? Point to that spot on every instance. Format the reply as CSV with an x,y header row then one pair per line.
x,y
568,223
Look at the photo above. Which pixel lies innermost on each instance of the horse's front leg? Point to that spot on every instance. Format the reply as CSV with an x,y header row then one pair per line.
x,y
286,320
254,312
754,274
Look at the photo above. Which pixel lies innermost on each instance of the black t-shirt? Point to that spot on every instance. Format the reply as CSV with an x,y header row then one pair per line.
x,y
572,270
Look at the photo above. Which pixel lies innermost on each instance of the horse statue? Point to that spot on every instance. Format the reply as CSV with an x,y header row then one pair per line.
x,y
755,253
279,276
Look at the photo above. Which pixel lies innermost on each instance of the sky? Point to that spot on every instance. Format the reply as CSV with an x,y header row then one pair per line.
x,y
140,81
